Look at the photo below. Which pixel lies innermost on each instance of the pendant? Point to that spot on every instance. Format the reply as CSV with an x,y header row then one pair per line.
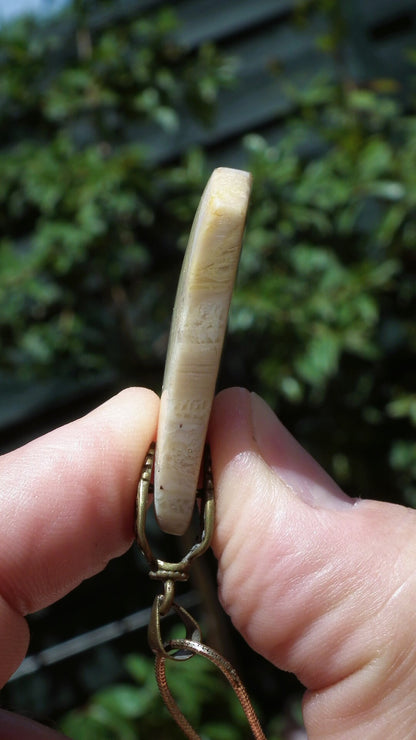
x,y
197,334
195,344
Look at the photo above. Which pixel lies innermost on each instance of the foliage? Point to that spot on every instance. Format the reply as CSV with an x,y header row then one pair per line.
x,y
134,710
94,230
95,207
327,280
90,222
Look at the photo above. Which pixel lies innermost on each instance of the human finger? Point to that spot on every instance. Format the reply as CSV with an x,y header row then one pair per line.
x,y
320,584
67,507
13,727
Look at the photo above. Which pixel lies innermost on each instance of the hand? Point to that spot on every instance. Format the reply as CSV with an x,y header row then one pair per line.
x,y
67,508
320,584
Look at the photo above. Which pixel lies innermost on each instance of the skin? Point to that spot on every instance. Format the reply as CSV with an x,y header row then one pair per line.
x,y
320,584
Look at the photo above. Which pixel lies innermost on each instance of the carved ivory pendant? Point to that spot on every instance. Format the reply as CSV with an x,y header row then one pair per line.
x,y
197,332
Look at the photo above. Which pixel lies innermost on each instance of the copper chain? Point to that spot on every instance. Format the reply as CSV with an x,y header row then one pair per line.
x,y
168,573
197,648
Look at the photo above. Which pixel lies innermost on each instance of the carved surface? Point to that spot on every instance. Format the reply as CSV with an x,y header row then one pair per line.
x,y
196,338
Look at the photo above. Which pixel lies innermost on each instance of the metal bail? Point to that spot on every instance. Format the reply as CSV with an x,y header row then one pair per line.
x,y
157,645
162,569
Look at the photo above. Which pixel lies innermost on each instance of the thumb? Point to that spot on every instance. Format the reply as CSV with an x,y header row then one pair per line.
x,y
320,584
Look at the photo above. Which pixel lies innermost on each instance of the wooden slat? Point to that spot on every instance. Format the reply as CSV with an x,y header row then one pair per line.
x,y
284,44
371,12
378,36
389,57
122,10
262,100
258,97
201,21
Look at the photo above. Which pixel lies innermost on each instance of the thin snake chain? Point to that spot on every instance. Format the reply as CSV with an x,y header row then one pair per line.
x,y
197,648
168,573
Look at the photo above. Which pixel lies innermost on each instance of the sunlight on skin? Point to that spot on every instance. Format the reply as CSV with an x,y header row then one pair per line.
x,y
67,503
320,584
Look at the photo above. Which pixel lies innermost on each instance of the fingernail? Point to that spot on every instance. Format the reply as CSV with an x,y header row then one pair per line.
x,y
291,462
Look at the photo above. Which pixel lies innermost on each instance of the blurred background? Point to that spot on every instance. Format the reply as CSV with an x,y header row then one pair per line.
x,y
112,116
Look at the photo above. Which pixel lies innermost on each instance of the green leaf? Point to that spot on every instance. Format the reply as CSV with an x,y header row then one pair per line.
x,y
219,731
403,456
124,700
166,118
376,158
79,726
140,668
403,406
320,359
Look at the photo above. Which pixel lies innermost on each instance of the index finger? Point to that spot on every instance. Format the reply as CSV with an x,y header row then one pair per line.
x,y
67,507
